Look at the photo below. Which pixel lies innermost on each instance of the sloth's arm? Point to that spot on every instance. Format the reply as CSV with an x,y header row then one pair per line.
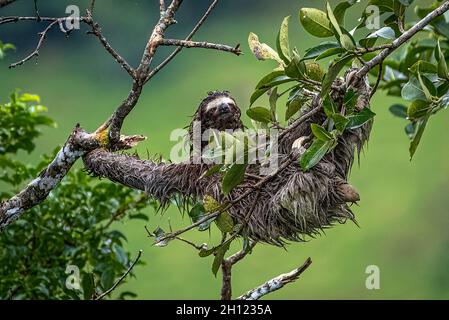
x,y
161,181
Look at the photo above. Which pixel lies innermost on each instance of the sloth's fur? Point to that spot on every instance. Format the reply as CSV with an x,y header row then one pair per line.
x,y
292,205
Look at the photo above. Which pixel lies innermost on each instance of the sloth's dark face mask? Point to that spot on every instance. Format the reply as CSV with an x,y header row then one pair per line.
x,y
221,113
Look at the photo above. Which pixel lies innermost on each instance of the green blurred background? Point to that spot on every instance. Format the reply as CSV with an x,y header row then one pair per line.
x,y
403,214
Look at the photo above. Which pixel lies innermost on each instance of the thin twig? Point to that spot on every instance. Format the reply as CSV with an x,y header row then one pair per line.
x,y
96,31
275,283
226,268
372,49
378,80
92,7
35,53
14,19
4,3
121,278
190,243
178,49
205,45
36,9
299,121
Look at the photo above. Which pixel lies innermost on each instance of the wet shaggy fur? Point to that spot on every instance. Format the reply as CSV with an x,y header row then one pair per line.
x,y
292,205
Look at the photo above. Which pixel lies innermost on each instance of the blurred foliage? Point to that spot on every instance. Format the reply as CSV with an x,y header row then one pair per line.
x,y
19,120
71,228
5,47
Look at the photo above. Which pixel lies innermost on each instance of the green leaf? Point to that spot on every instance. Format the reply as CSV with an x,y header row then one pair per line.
x,y
333,20
107,278
330,52
315,153
4,47
225,222
256,95
206,252
418,109
211,171
120,254
424,87
399,110
314,52
412,90
294,105
329,107
423,67
282,42
87,283
26,97
233,177
277,81
261,50
442,65
340,122
273,104
269,78
320,133
315,22
197,212
421,126
139,216
332,73
340,10
296,69
219,256
350,101
347,42
443,89
359,119
260,114
385,32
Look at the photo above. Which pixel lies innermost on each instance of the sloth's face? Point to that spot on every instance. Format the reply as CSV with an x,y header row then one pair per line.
x,y
221,113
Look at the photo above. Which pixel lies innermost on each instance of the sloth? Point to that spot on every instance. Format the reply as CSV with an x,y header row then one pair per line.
x,y
293,204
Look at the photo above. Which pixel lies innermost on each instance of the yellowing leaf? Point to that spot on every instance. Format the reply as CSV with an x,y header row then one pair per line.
x,y
283,44
262,51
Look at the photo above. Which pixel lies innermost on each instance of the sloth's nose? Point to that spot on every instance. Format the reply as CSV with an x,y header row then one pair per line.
x,y
223,108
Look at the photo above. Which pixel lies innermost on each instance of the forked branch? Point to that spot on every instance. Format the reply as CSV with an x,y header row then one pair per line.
x,y
107,135
276,283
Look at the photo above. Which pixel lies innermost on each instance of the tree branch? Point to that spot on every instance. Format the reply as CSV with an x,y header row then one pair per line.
x,y
92,7
275,283
401,40
96,31
35,53
104,294
78,144
206,45
4,3
38,190
226,268
178,49
107,135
